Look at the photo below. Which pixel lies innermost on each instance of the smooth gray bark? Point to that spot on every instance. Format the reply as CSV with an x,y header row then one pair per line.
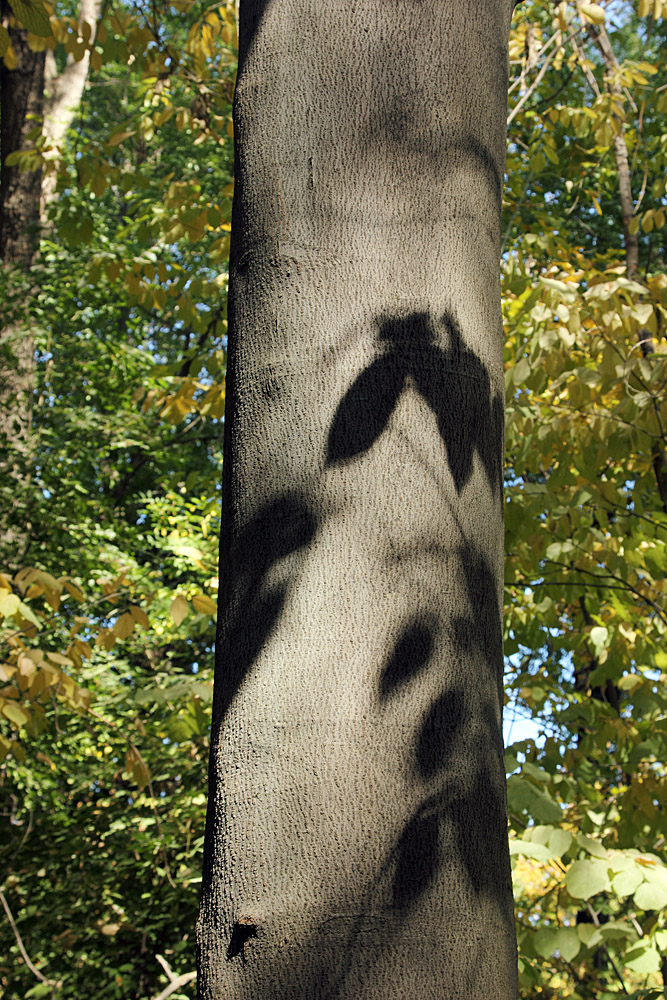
x,y
356,843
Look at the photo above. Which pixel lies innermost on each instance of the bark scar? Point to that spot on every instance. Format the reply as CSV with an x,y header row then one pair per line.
x,y
244,929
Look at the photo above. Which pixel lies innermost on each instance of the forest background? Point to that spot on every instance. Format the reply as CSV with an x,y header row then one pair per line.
x,y
112,357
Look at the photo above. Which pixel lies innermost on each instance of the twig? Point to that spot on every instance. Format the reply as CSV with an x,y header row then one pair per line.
x,y
594,918
534,85
174,981
35,971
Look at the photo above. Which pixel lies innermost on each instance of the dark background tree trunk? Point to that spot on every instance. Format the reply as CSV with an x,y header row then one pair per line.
x,y
21,107
25,196
357,843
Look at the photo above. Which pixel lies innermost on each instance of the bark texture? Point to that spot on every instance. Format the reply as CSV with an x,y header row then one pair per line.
x,y
21,103
356,841
21,96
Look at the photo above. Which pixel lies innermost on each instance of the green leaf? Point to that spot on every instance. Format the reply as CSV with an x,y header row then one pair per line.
x,y
651,895
40,990
589,935
599,636
4,40
587,878
642,959
545,941
564,940
559,842
33,16
530,850
568,943
626,882
591,846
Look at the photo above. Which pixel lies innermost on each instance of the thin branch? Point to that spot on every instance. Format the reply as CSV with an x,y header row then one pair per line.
x,y
594,918
612,576
175,982
35,971
534,85
587,72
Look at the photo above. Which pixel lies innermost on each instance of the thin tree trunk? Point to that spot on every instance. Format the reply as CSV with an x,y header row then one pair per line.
x,y
631,243
64,92
356,844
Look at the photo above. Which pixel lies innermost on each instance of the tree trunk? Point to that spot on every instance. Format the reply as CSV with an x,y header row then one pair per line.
x,y
356,843
21,101
25,196
65,91
631,243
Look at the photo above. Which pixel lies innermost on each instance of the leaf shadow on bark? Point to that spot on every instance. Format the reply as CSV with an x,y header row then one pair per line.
x,y
452,380
260,563
460,821
458,829
275,533
473,805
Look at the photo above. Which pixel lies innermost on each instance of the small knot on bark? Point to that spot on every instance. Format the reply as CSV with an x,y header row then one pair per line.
x,y
244,929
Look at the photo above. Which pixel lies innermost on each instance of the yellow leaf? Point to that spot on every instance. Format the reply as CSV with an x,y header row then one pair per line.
x,y
178,609
9,58
204,605
136,767
27,666
9,603
49,581
75,591
83,648
118,137
593,12
32,15
139,616
15,714
124,626
642,312
64,661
